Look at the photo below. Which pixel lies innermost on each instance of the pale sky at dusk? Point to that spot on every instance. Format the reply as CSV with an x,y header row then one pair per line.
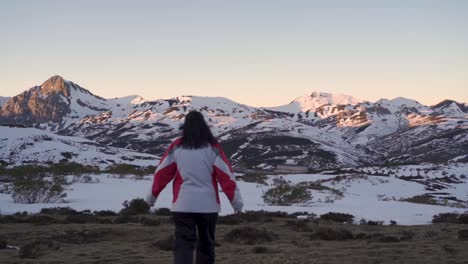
x,y
260,53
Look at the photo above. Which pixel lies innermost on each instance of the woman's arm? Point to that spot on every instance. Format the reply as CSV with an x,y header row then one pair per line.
x,y
225,176
164,173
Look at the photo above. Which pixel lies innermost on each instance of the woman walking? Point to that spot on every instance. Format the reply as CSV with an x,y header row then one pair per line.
x,y
196,164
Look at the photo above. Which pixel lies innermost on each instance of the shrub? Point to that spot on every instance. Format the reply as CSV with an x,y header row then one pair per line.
x,y
259,250
421,199
283,193
149,221
124,219
299,225
370,222
166,244
463,234
3,244
64,168
389,239
453,218
105,213
37,248
163,212
123,169
81,236
463,218
338,217
253,177
84,179
134,207
332,234
260,216
407,235
81,219
38,189
233,219
40,219
249,235
59,211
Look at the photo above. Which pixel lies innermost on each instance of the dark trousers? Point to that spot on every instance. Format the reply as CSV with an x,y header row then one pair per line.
x,y
187,225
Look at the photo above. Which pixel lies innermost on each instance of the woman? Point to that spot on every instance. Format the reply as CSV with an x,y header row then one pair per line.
x,y
197,164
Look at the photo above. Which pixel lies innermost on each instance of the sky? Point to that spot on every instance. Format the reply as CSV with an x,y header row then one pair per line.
x,y
260,53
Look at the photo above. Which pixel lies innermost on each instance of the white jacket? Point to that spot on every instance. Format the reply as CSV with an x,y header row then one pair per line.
x,y
196,174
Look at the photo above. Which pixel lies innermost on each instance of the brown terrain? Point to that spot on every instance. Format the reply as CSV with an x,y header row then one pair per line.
x,y
247,238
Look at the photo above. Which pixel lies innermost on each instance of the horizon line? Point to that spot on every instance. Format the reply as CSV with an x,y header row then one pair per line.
x,y
360,100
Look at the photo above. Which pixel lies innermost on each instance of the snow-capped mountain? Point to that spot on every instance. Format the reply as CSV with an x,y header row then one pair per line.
x,y
33,146
320,130
451,108
319,102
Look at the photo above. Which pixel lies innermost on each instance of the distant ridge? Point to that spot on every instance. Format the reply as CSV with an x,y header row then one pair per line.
x,y
319,130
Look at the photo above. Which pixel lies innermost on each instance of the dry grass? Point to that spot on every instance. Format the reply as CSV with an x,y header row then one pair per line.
x,y
293,241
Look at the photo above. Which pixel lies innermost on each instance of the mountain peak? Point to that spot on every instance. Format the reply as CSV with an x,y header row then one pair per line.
x,y
56,84
315,100
334,98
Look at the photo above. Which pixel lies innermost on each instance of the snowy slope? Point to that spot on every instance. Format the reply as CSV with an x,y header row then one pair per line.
x,y
310,103
33,146
364,196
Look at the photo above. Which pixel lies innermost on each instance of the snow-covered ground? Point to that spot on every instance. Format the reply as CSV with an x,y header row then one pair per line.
x,y
368,197
19,146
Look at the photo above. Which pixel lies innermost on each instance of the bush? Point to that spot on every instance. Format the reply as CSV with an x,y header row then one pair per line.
x,y
149,221
38,189
283,193
81,219
253,177
299,225
40,219
3,244
370,222
249,235
407,235
330,234
338,217
124,219
421,199
134,207
452,218
463,234
260,250
123,169
80,236
389,239
166,244
59,211
163,212
105,213
252,216
233,219
37,248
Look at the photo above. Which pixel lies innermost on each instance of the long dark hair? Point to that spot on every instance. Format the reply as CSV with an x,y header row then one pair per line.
x,y
195,131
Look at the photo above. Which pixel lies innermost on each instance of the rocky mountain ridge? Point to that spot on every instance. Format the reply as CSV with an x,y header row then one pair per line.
x,y
321,130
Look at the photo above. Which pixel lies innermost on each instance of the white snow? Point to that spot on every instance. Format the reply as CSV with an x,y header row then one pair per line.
x,y
315,100
364,197
29,145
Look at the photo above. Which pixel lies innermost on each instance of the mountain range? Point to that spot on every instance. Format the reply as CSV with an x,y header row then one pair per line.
x,y
59,118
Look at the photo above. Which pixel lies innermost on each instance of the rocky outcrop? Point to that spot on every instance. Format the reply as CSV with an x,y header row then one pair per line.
x,y
44,103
